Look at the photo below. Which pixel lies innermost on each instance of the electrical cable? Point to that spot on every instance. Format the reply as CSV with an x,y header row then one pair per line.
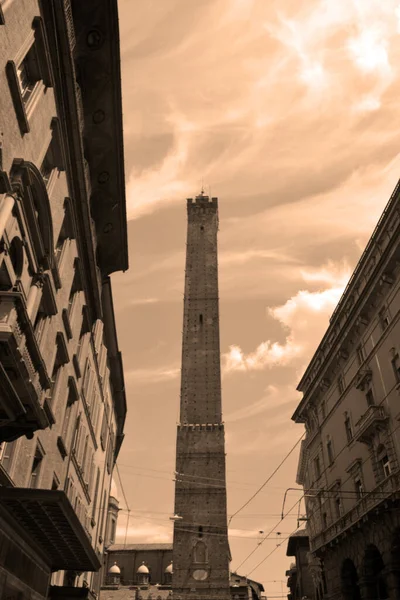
x,y
267,480
338,493
346,445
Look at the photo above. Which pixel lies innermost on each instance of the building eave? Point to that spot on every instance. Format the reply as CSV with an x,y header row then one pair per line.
x,y
97,59
115,362
69,109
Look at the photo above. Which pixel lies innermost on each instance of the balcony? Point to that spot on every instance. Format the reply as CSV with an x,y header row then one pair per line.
x,y
386,490
23,375
373,420
46,519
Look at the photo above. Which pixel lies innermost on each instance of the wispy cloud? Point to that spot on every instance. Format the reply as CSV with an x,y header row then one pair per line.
x,y
143,301
153,375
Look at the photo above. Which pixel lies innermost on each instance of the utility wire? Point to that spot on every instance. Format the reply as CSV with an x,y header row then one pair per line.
x,y
268,479
345,446
312,513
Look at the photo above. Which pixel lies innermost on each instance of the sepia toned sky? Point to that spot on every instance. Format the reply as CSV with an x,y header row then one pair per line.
x,y
288,112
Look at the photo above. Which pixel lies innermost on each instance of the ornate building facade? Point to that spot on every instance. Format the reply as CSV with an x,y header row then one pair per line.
x,y
201,550
63,232
349,459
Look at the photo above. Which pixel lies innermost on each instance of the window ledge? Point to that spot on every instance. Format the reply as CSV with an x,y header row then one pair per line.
x,y
62,447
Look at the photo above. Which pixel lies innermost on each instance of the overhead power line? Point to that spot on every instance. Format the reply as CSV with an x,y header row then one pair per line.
x,y
268,479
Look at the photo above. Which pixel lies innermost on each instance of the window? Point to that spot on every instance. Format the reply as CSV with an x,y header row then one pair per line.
x,y
370,398
46,168
103,512
383,461
113,530
324,520
396,367
67,419
317,467
28,73
323,410
24,76
36,468
384,318
360,354
338,507
329,449
348,427
96,492
200,553
340,384
7,454
40,323
358,484
104,426
55,378
53,160
201,319
87,380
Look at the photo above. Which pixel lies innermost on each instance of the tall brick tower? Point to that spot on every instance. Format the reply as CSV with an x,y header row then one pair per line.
x,y
201,550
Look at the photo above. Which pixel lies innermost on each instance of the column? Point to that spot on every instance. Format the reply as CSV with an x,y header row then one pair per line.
x,y
6,206
368,588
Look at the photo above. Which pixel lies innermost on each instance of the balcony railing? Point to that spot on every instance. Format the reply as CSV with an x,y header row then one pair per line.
x,y
370,500
23,376
372,420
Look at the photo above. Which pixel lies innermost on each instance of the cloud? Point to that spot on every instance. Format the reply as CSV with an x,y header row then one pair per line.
x,y
142,531
153,375
163,183
143,301
276,398
304,317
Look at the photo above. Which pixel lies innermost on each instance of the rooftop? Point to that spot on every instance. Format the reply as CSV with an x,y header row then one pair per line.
x,y
137,547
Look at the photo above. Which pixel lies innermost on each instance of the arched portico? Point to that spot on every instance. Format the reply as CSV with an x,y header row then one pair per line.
x,y
373,584
349,581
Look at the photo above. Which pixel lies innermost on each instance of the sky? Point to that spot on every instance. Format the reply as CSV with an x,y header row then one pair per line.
x,y
288,112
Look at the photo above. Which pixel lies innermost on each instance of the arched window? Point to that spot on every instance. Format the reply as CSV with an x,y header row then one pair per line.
x,y
29,184
200,553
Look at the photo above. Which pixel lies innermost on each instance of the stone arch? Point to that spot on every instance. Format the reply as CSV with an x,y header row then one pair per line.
x,y
349,581
30,185
374,578
393,569
200,553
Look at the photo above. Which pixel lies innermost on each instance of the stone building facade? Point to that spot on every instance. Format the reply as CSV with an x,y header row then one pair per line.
x,y
349,459
201,551
62,234
145,571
